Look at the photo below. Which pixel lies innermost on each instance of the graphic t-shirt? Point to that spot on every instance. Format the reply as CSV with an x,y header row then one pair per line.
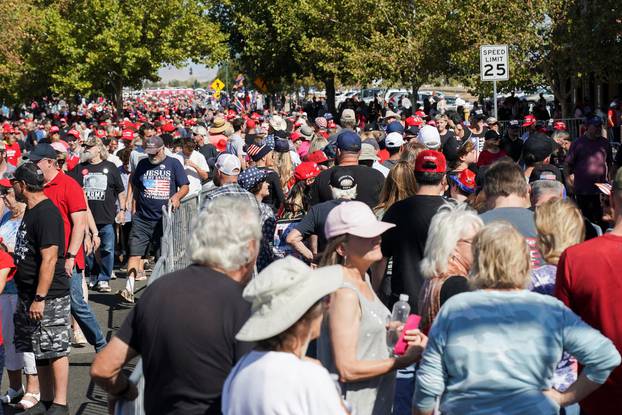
x,y
42,226
154,184
369,183
102,184
13,153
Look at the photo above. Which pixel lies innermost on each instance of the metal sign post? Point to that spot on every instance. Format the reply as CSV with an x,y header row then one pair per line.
x,y
494,66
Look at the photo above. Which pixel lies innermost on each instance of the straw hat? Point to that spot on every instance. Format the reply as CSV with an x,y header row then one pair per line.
x,y
218,126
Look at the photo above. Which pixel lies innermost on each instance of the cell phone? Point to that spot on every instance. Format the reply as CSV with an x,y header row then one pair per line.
x,y
411,324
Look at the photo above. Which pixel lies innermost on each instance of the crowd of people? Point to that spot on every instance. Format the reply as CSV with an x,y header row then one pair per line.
x,y
502,236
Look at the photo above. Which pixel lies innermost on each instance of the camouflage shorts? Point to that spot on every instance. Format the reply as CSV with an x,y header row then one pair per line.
x,y
48,338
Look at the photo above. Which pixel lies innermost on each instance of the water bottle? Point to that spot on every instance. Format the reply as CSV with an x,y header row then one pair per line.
x,y
401,310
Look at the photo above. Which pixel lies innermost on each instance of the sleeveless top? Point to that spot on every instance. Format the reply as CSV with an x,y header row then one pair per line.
x,y
372,396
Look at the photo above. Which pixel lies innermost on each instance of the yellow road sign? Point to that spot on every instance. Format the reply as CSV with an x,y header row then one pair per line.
x,y
217,85
216,94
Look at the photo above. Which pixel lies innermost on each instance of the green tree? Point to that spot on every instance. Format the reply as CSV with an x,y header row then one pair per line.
x,y
101,46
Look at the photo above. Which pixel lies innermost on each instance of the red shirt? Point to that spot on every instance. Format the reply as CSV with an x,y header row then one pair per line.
x,y
6,261
68,197
486,157
383,155
589,281
13,153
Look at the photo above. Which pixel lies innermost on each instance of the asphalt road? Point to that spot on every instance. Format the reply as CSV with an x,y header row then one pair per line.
x,y
84,397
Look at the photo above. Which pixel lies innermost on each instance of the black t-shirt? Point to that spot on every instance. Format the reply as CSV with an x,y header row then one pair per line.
x,y
184,328
444,137
314,221
209,151
276,197
41,227
102,184
369,183
514,148
406,243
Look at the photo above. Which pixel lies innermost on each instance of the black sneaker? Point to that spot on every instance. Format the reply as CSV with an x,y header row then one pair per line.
x,y
38,409
57,409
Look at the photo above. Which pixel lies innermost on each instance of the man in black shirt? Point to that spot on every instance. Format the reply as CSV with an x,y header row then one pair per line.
x,y
42,316
343,187
369,181
511,143
406,242
103,187
184,325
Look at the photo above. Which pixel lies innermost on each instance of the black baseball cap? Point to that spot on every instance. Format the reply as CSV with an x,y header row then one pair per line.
x,y
29,173
42,151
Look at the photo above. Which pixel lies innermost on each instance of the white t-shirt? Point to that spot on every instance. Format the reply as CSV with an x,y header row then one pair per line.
x,y
114,159
193,177
279,383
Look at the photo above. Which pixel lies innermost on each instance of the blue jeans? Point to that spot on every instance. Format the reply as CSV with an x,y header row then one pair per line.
x,y
404,390
102,271
81,311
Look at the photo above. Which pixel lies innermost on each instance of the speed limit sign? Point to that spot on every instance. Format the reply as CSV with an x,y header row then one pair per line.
x,y
494,62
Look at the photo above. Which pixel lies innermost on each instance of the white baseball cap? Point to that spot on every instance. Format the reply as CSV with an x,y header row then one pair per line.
x,y
354,218
429,137
394,140
228,164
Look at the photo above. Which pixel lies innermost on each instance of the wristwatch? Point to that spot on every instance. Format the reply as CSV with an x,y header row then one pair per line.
x,y
70,255
39,298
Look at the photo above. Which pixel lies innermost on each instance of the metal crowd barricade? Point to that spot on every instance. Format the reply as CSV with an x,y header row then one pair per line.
x,y
176,228
573,126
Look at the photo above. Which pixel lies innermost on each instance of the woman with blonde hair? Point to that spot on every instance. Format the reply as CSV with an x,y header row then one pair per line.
x,y
283,165
495,349
447,258
399,184
560,225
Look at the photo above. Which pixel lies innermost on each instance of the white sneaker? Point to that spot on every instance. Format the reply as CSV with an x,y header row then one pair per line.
x,y
12,395
103,287
78,339
92,284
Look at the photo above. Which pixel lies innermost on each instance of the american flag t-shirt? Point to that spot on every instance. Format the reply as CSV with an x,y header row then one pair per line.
x,y
157,184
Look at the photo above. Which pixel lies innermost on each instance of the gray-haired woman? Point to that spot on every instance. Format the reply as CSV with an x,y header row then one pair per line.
x,y
447,258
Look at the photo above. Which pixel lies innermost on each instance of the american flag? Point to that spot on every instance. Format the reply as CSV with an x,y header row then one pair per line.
x,y
157,188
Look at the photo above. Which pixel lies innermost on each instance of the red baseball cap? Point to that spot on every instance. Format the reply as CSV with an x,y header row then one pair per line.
x,y
560,126
54,129
414,121
74,133
430,161
306,170
295,136
100,134
7,129
251,123
318,157
127,135
529,120
420,114
168,128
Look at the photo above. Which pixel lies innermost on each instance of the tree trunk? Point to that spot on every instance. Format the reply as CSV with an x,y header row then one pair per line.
x,y
330,94
118,86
